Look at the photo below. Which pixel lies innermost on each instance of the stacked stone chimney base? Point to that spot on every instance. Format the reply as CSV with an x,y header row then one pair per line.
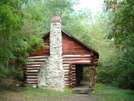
x,y
51,75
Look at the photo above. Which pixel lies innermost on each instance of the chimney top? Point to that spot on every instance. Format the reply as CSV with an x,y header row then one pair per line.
x,y
55,19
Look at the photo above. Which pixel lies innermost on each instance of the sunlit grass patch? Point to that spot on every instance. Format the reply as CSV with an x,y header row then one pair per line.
x,y
109,93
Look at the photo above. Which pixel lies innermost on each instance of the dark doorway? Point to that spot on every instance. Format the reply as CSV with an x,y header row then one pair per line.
x,y
82,86
82,74
79,74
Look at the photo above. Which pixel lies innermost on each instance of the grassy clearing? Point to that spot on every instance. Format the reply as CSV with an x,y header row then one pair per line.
x,y
108,93
32,94
102,92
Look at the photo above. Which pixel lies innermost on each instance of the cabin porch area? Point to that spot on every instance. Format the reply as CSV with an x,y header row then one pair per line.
x,y
81,85
83,88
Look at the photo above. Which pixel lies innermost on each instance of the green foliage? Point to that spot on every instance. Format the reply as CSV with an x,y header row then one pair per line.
x,y
10,25
108,93
3,69
86,72
122,18
78,19
122,21
59,7
16,40
125,68
16,73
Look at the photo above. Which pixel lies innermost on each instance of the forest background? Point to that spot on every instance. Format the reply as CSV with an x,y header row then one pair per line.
x,y
111,33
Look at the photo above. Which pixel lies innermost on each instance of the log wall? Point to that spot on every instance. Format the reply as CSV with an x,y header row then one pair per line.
x,y
32,67
74,53
69,62
69,65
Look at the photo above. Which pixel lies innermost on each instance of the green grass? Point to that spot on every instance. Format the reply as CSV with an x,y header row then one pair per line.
x,y
108,93
102,92
37,93
30,94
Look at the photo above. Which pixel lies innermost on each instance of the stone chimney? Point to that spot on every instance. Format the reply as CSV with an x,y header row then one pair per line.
x,y
51,75
55,36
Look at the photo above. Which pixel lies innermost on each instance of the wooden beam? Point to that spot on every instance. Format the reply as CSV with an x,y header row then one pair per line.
x,y
93,74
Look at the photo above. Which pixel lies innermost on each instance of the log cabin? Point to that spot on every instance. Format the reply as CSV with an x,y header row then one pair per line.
x,y
72,56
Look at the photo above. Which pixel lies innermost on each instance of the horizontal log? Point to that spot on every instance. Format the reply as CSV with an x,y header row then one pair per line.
x,y
34,59
66,74
76,59
69,74
72,79
37,57
72,83
73,69
76,56
39,60
82,60
66,80
31,68
32,74
78,62
31,81
66,65
31,77
34,66
72,65
73,74
66,68
66,71
35,63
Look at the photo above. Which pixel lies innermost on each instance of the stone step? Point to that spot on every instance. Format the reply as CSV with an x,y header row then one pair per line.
x,y
82,90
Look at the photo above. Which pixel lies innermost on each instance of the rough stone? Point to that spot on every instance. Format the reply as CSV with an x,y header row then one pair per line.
x,y
51,75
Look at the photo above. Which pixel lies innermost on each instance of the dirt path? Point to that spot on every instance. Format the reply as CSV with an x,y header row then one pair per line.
x,y
78,97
